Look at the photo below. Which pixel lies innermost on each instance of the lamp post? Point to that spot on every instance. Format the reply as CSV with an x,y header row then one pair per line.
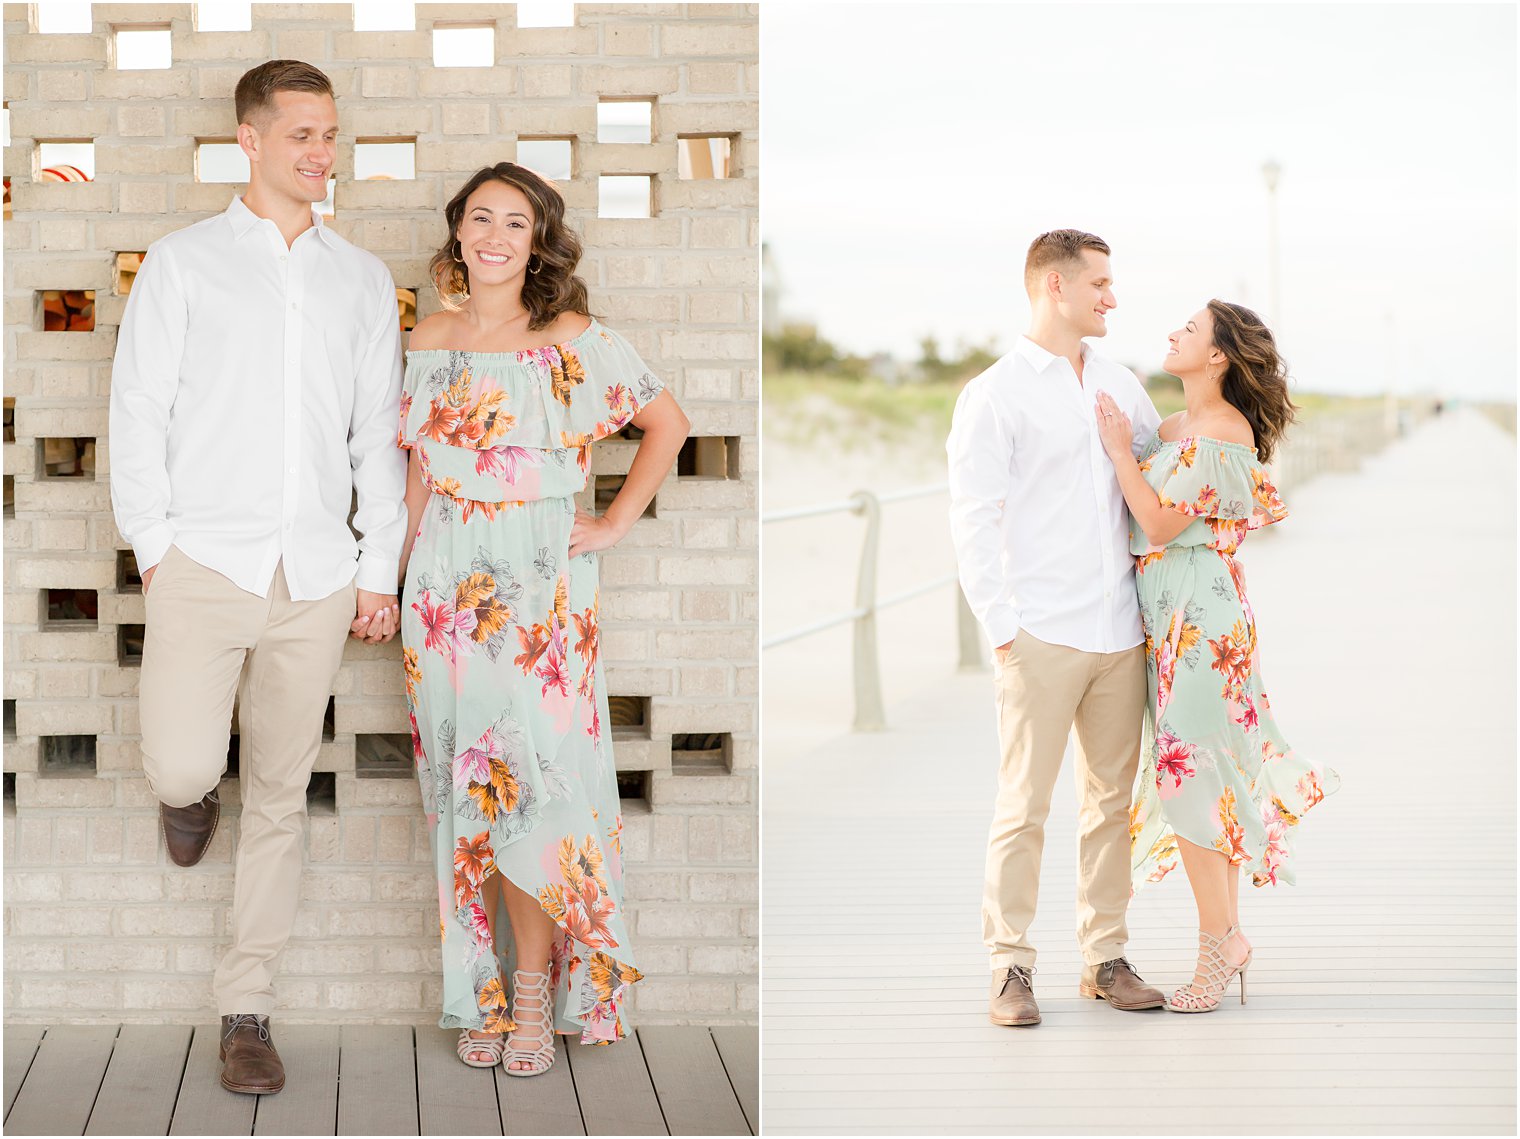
x,y
1272,171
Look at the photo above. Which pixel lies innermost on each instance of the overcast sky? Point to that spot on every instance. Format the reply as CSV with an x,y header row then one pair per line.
x,y
911,152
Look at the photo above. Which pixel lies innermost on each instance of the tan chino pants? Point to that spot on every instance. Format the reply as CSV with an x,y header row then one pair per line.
x,y
204,637
1043,690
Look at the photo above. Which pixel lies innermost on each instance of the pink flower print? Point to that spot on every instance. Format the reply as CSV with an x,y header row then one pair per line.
x,y
1245,714
437,623
1172,756
473,765
464,624
553,670
475,922
1166,669
617,397
1276,852
505,461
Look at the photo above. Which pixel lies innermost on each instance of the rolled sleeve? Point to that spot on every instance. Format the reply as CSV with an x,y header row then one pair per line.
x,y
150,347
980,450
379,466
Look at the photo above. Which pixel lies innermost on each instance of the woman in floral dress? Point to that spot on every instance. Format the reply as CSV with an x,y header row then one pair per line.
x,y
505,391
1220,787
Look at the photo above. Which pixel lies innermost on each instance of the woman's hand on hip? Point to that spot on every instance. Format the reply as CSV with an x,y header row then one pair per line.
x,y
1114,428
589,534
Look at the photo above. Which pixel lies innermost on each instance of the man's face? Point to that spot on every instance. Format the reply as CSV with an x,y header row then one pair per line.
x,y
1087,294
292,149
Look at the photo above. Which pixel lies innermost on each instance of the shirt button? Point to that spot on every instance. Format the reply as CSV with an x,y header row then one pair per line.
x,y
1108,593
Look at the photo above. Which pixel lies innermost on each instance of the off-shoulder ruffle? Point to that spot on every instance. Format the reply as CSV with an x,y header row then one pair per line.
x,y
1213,479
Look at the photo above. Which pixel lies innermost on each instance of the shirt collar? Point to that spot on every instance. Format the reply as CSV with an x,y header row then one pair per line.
x,y
1040,359
242,219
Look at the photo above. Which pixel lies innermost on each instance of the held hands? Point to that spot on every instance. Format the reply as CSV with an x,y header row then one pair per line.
x,y
377,617
1114,428
588,533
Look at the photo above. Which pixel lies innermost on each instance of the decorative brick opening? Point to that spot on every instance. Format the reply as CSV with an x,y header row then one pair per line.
x,y
605,488
384,16
633,790
625,196
464,45
10,793
704,155
385,159
693,753
630,716
554,158
330,719
545,14
66,18
383,757
65,459
67,756
69,609
10,496
65,160
218,160
406,309
625,120
709,457
127,265
67,310
127,575
10,419
129,645
628,432
10,720
322,793
224,16
142,48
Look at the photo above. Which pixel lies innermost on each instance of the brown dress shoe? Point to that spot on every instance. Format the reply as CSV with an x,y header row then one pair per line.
x,y
1117,983
1013,997
188,830
249,1062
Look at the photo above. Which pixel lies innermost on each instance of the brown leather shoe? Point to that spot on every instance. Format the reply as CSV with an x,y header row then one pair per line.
x,y
249,1062
188,830
1117,983
1013,997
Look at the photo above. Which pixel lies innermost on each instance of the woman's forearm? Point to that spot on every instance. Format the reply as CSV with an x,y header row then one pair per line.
x,y
1142,501
663,435
416,499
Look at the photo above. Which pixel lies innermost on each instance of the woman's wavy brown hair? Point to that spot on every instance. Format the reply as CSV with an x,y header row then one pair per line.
x,y
551,289
1255,381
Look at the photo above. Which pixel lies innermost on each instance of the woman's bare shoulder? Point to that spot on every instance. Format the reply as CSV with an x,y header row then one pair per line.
x,y
567,326
435,331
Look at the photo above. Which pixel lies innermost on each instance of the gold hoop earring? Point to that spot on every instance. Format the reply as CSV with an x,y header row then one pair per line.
x,y
531,267
460,260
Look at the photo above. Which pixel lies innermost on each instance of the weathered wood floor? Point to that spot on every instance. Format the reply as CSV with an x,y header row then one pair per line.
x,y
382,1080
1382,997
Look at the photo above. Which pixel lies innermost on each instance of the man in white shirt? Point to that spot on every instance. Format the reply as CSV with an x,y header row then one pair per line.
x,y
256,388
1041,539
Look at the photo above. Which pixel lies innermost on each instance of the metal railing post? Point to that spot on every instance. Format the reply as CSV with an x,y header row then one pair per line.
x,y
870,715
969,633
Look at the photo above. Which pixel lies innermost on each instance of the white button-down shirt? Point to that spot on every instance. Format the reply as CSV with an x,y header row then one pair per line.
x,y
1039,523
256,388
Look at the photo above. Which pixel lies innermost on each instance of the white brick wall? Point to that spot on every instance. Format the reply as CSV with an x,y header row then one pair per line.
x,y
98,925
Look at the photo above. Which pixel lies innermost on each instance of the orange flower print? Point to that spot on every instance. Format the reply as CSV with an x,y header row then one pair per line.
x,y
491,416
473,861
582,905
1310,790
1232,836
1173,764
535,642
565,373
413,672
441,422
615,835
406,411
1206,502
492,1000
1187,452
1232,658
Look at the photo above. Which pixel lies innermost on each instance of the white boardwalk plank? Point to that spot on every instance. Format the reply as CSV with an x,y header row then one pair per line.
x,y
142,1081
62,1082
21,1041
309,1103
1383,991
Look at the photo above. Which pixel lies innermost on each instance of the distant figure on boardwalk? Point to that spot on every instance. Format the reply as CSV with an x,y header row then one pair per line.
x,y
1039,526
1220,787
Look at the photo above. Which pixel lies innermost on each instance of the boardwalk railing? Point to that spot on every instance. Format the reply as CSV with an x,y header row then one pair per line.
x,y
870,714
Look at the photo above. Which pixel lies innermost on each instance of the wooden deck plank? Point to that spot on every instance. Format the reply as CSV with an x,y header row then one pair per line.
x,y
21,1041
1382,998
62,1082
740,1048
452,1097
693,1087
309,1103
142,1081
544,1104
613,1086
204,1107
377,1080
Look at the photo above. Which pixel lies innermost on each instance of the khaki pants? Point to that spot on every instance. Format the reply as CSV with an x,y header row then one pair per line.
x,y
1042,691
204,637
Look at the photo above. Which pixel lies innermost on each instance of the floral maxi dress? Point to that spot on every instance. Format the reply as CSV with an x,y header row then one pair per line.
x,y
508,708
1217,770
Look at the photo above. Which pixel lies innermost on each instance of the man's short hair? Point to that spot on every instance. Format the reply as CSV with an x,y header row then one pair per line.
x,y
1061,250
254,98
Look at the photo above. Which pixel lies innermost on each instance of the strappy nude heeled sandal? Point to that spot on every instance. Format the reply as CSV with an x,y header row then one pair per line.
x,y
530,995
469,1046
1217,973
